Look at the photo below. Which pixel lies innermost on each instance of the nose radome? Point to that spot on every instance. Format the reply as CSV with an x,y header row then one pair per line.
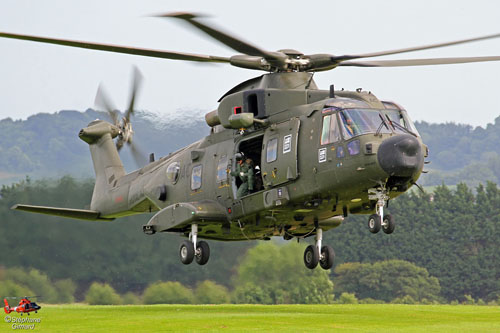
x,y
400,155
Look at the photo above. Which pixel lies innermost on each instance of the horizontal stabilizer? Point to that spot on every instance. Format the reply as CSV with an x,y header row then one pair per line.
x,y
81,214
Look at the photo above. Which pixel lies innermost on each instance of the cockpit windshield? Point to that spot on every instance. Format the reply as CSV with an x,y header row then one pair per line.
x,y
361,121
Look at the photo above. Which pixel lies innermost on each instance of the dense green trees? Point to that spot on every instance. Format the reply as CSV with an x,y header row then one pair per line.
x,y
386,280
209,292
16,282
453,234
271,274
115,252
168,293
102,294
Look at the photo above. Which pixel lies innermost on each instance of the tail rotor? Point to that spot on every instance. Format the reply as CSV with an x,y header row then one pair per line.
x,y
125,134
6,308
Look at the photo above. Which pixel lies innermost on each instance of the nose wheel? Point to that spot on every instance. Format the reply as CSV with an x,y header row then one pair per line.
x,y
314,254
192,249
378,220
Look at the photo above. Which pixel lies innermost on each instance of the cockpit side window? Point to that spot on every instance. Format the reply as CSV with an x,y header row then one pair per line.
x,y
409,122
330,131
396,116
348,128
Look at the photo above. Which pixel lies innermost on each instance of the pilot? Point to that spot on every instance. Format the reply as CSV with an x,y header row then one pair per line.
x,y
348,126
244,170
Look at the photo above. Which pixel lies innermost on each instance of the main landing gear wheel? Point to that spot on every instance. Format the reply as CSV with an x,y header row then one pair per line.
x,y
311,256
202,253
327,256
374,223
186,252
388,224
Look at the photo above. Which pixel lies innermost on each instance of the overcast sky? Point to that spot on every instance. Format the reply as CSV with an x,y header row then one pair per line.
x,y
38,77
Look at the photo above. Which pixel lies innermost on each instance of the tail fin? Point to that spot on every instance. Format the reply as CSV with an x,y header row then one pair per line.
x,y
107,164
7,308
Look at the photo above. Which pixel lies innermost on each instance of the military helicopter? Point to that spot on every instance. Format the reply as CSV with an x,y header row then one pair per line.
x,y
316,155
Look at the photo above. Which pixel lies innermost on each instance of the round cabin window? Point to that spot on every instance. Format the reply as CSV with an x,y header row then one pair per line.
x,y
173,171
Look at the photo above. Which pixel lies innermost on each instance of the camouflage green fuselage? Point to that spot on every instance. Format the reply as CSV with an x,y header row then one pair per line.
x,y
305,181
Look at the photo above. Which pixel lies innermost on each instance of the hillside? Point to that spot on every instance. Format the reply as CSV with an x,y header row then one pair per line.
x,y
47,145
461,153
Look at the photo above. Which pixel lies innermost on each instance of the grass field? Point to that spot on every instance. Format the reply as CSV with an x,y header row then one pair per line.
x,y
267,318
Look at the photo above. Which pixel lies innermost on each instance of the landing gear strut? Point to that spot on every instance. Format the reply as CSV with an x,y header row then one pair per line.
x,y
192,249
378,220
314,254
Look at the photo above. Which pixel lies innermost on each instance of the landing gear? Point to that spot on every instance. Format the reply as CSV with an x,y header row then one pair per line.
x,y
327,257
313,255
188,252
202,253
374,223
388,224
378,220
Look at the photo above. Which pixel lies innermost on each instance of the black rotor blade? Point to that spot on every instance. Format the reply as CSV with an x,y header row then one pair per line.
x,y
136,84
412,49
102,100
223,37
120,49
139,157
418,62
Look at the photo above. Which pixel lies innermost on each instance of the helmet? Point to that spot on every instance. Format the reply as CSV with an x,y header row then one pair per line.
x,y
238,156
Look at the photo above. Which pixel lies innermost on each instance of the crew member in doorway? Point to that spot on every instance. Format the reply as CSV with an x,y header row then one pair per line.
x,y
244,170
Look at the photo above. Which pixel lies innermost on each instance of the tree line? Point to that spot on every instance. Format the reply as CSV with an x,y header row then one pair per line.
x,y
446,240
257,280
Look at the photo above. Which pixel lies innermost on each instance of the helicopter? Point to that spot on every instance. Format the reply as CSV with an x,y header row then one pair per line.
x,y
316,155
24,306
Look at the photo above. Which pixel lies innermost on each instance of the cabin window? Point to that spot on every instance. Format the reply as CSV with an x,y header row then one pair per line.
x,y
330,132
272,150
173,171
340,152
353,147
196,177
222,170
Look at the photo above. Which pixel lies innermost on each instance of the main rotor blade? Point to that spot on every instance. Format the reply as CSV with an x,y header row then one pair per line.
x,y
119,49
102,100
136,83
418,62
223,37
413,49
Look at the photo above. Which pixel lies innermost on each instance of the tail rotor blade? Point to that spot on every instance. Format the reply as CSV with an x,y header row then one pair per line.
x,y
136,85
139,157
102,100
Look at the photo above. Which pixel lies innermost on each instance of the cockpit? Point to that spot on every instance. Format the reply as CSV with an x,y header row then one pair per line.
x,y
358,121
